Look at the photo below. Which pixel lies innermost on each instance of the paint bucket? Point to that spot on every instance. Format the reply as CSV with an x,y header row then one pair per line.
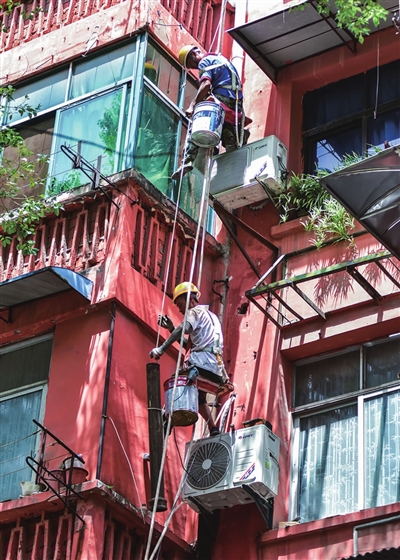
x,y
184,408
207,121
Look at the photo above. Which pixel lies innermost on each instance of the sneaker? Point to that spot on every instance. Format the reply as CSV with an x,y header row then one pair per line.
x,y
182,170
214,432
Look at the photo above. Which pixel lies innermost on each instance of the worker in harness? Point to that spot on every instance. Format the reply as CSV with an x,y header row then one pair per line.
x,y
220,82
205,342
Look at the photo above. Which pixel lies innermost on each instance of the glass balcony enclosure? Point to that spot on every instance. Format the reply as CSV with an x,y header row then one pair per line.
x,y
124,106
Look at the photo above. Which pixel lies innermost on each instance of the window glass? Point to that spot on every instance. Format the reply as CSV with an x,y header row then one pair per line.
x,y
327,378
190,94
25,365
162,73
382,363
17,441
350,117
156,144
102,71
96,124
333,102
21,365
385,128
328,152
328,464
46,92
353,446
382,450
38,139
387,83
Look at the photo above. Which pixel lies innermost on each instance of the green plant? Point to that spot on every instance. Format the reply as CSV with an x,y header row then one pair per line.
x,y
354,15
323,215
71,181
18,172
8,6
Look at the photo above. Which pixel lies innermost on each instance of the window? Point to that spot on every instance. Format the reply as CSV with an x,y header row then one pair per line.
x,y
24,372
353,116
120,110
346,446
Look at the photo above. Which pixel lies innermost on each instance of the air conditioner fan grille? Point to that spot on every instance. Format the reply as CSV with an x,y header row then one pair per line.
x,y
208,465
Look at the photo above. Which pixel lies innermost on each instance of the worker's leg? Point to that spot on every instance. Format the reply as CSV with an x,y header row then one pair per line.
x,y
205,413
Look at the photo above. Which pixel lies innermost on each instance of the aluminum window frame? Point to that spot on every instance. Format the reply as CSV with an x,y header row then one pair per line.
x,y
358,397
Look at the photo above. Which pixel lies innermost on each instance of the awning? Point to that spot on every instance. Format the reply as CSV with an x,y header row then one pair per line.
x,y
370,191
384,554
41,283
288,36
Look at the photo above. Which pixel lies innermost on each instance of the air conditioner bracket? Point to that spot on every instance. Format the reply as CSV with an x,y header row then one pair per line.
x,y
265,506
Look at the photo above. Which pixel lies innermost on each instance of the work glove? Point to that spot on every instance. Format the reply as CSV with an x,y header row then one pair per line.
x,y
156,353
192,375
165,322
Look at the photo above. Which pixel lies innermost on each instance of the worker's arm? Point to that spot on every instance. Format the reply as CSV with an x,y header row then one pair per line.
x,y
176,335
203,92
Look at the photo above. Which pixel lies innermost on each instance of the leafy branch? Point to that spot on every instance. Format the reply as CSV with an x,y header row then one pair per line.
x,y
323,215
354,15
21,214
7,8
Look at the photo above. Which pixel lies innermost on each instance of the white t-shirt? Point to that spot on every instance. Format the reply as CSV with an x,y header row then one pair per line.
x,y
204,328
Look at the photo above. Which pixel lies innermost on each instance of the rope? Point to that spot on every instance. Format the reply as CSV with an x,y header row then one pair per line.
x,y
195,249
171,242
185,474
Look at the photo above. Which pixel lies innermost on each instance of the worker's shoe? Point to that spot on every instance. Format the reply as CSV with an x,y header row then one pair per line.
x,y
182,170
214,432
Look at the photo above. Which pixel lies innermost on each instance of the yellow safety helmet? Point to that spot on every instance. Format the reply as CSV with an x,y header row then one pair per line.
x,y
184,288
184,53
150,72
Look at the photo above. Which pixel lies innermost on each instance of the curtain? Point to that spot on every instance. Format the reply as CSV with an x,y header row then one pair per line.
x,y
17,441
382,450
328,464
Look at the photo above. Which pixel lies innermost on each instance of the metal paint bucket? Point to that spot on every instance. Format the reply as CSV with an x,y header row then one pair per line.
x,y
184,408
207,121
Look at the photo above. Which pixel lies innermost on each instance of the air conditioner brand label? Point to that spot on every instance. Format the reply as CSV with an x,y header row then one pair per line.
x,y
249,471
246,436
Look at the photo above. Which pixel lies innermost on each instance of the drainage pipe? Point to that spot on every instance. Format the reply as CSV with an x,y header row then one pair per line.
x,y
105,394
156,439
371,524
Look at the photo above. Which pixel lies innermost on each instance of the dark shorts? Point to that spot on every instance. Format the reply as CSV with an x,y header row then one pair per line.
x,y
211,377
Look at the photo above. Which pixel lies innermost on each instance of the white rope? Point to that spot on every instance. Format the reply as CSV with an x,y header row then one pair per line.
x,y
171,242
157,494
203,219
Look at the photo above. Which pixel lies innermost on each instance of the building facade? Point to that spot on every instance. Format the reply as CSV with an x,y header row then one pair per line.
x,y
312,342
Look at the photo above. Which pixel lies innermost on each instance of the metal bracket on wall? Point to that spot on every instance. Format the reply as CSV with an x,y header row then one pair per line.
x,y
43,474
92,172
285,315
265,505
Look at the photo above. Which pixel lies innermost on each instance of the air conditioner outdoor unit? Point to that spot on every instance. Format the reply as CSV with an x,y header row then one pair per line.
x,y
218,468
233,174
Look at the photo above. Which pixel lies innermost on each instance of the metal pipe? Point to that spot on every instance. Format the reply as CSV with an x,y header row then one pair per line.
x,y
239,244
106,387
156,439
221,27
356,528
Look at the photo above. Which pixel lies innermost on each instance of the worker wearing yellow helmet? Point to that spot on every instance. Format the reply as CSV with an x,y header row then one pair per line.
x,y
206,343
220,82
